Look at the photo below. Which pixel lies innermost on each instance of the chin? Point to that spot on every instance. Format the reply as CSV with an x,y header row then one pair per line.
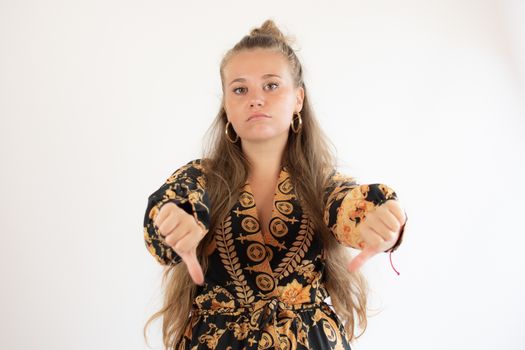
x,y
264,136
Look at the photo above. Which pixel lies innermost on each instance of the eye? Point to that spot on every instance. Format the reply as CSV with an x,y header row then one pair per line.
x,y
234,90
273,84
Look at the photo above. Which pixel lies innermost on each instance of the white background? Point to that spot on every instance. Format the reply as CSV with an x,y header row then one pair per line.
x,y
101,100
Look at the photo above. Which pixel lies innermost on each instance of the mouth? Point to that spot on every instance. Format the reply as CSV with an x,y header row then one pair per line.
x,y
256,116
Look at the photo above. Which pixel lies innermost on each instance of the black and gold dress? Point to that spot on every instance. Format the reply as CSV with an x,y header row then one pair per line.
x,y
264,288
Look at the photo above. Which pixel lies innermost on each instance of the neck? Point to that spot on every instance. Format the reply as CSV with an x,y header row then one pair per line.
x,y
265,157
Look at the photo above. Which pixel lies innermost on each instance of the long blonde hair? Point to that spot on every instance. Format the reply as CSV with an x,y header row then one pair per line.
x,y
307,154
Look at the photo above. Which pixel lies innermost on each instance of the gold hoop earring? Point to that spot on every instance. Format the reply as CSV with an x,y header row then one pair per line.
x,y
299,126
228,135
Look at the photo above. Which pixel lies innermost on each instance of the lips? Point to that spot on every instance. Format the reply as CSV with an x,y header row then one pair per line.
x,y
258,116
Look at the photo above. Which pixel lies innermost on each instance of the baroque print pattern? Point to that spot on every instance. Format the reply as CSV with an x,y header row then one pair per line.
x,y
264,285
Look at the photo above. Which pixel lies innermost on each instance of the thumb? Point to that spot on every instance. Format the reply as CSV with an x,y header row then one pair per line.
x,y
361,258
193,266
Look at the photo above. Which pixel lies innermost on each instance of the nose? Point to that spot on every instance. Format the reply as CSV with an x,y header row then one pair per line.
x,y
256,100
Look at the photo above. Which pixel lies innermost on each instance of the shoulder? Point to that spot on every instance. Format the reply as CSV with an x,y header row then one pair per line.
x,y
194,170
338,179
195,164
337,185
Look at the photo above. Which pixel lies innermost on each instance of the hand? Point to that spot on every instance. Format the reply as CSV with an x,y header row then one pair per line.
x,y
379,231
183,233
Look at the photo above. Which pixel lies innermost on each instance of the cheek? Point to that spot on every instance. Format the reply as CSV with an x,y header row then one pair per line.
x,y
288,99
230,107
287,103
227,103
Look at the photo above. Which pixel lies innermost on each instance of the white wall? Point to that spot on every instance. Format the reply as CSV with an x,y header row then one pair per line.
x,y
101,100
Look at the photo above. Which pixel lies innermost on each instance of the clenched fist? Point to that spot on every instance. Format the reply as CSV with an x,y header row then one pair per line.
x,y
183,233
379,231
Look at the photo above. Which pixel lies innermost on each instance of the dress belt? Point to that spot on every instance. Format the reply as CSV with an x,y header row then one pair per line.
x,y
261,313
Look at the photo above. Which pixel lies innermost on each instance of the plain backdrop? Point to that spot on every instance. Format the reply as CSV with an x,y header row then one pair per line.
x,y
100,101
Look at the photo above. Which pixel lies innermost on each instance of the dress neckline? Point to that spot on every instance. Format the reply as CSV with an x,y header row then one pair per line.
x,y
247,188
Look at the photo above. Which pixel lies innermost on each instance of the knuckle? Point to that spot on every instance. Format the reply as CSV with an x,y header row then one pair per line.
x,y
170,240
187,218
156,222
161,229
397,227
199,232
390,236
181,247
364,225
364,232
392,202
165,207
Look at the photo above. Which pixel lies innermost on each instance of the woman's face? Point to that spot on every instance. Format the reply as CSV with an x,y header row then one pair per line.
x,y
259,81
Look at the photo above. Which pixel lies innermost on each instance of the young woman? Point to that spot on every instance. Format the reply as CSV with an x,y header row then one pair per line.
x,y
254,235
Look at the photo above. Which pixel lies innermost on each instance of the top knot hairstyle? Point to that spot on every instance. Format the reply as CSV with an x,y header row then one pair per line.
x,y
309,162
269,28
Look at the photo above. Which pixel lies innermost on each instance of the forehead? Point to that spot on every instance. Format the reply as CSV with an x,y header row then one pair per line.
x,y
256,62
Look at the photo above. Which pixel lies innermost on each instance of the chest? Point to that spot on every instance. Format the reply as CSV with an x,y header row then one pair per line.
x,y
265,238
264,195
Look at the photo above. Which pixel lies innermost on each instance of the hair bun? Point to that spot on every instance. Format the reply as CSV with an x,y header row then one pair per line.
x,y
269,28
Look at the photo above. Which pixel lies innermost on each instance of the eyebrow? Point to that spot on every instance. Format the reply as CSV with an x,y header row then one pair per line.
x,y
264,77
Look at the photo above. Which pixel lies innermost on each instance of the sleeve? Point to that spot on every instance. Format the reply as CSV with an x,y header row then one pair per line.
x,y
347,204
186,188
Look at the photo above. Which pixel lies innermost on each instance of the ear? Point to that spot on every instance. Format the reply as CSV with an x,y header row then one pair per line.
x,y
299,98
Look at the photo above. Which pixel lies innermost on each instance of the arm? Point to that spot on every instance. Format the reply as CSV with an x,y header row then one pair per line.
x,y
348,203
185,188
